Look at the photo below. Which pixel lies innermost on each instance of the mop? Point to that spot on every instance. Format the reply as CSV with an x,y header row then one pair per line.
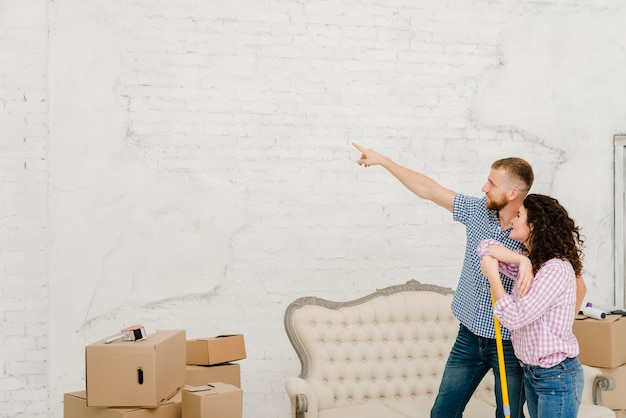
x,y
506,408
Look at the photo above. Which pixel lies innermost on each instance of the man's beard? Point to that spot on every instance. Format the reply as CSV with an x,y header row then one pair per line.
x,y
493,204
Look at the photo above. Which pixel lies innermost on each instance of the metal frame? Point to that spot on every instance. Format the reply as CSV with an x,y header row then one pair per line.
x,y
619,218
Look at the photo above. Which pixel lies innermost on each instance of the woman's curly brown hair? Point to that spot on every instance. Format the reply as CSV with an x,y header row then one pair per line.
x,y
553,233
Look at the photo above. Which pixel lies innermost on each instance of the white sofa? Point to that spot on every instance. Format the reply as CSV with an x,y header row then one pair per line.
x,y
382,356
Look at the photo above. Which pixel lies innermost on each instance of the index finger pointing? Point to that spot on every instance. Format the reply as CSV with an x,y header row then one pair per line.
x,y
357,146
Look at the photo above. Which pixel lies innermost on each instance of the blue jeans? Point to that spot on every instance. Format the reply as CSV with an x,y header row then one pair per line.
x,y
554,392
469,361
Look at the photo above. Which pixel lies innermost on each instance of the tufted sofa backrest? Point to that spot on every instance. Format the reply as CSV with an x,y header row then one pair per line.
x,y
391,344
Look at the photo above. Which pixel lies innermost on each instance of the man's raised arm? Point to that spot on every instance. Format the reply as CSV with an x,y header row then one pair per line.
x,y
420,184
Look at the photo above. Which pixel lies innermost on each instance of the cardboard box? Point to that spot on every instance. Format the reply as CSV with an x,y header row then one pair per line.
x,y
75,406
215,400
602,341
135,373
216,350
615,399
226,373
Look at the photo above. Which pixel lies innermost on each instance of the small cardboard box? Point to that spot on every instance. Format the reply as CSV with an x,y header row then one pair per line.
x,y
602,341
75,406
615,399
212,401
216,350
226,373
135,373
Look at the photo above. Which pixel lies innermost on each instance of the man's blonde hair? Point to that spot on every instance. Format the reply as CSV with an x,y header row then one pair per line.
x,y
518,168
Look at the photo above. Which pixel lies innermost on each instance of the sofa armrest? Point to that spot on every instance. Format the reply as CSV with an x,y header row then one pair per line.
x,y
302,398
595,384
600,383
302,405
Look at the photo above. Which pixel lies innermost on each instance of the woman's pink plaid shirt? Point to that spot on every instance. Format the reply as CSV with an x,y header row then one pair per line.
x,y
541,322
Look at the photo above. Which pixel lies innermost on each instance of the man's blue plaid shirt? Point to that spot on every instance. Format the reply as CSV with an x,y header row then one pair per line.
x,y
472,300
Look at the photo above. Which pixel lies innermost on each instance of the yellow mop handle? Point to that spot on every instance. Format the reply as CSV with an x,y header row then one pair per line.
x,y
506,408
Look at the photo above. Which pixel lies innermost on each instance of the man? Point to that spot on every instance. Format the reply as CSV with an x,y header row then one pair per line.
x,y
474,351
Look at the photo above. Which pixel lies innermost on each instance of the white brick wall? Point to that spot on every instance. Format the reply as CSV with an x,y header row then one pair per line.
x,y
201,175
23,216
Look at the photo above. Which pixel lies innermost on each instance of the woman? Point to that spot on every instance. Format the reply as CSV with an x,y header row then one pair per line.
x,y
541,322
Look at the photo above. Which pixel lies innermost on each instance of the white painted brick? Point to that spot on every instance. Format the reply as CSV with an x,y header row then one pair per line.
x,y
260,98
23,113
26,368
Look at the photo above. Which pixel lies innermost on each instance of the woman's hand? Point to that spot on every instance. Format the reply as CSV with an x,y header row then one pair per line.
x,y
526,277
490,268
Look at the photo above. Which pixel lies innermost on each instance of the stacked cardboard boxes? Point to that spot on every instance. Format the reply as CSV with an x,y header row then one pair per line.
x,y
126,379
213,382
211,360
152,378
603,345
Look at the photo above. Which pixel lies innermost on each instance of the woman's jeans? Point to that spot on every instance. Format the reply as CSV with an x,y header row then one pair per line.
x,y
469,361
554,392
